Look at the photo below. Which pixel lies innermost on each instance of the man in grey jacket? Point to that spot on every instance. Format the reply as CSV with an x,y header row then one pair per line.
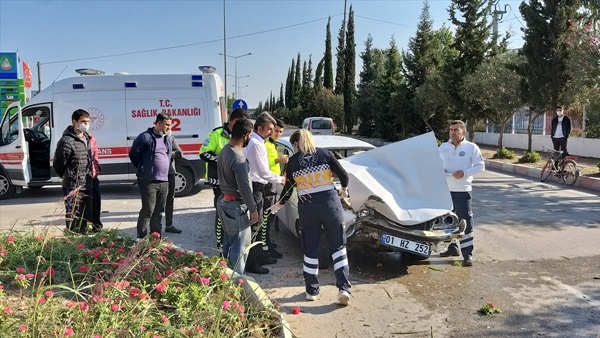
x,y
150,153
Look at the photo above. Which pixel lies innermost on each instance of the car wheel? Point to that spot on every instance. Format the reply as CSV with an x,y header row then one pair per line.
x,y
414,257
324,256
7,189
184,181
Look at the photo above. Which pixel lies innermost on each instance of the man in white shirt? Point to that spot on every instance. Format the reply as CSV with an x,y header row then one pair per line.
x,y
461,160
260,175
561,128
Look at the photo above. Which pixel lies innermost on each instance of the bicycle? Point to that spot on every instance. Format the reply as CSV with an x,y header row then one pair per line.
x,y
565,168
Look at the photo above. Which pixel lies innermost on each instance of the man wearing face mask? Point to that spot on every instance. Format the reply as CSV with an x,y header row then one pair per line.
x,y
561,128
151,153
73,163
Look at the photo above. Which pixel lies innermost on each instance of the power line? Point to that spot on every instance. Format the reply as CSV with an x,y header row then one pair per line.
x,y
513,13
388,22
190,44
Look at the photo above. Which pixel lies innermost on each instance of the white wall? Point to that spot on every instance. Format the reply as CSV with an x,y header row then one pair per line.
x,y
587,147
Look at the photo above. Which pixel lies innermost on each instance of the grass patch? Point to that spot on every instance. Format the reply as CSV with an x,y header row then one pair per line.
x,y
504,153
530,157
105,285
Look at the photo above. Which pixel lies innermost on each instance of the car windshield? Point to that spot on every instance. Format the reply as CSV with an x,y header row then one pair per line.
x,y
320,124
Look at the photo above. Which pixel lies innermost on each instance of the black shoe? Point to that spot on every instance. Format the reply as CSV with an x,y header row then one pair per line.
x,y
257,269
173,229
274,253
273,245
468,261
450,252
267,260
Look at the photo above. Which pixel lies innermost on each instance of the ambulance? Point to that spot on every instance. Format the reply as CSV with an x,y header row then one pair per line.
x,y
121,106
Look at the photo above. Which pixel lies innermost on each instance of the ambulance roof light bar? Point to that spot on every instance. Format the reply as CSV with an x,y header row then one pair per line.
x,y
207,69
89,71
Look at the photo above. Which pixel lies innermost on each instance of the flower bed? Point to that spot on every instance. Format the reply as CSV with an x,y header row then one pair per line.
x,y
105,285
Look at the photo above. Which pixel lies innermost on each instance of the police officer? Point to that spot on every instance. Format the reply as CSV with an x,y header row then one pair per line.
x,y
311,169
215,141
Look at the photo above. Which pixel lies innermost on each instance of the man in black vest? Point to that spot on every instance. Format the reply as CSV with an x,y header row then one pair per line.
x,y
561,128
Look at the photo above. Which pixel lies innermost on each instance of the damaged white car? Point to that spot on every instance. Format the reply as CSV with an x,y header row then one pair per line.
x,y
398,195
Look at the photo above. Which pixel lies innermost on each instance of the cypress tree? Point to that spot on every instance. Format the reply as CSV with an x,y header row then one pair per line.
x,y
280,103
289,86
308,94
339,70
349,74
318,82
297,88
328,59
390,85
364,105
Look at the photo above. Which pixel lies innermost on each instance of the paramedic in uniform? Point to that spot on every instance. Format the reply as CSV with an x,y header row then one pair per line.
x,y
461,160
215,141
311,169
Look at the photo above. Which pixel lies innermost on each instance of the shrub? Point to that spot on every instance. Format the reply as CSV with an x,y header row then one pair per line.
x,y
598,165
504,153
106,285
530,157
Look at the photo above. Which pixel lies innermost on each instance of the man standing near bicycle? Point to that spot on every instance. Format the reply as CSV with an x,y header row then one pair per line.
x,y
561,128
461,160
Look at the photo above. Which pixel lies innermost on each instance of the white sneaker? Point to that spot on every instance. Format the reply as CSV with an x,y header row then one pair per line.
x,y
310,297
343,298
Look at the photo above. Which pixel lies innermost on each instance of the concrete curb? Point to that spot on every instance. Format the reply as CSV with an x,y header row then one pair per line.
x,y
259,299
584,182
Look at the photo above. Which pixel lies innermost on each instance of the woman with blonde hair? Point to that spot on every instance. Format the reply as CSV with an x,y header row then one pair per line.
x,y
312,170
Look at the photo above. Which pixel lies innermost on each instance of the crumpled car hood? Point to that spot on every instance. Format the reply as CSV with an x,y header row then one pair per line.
x,y
403,181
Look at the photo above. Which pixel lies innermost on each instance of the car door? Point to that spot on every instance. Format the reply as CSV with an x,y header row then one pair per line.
x,y
13,148
289,213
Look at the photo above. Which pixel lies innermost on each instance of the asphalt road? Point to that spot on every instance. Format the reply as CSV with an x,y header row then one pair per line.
x,y
536,257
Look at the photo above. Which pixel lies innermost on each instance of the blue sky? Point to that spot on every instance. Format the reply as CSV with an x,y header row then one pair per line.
x,y
274,31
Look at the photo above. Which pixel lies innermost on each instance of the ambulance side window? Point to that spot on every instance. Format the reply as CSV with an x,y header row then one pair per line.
x,y
9,130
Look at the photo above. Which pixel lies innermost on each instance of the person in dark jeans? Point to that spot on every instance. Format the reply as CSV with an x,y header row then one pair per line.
x,y
150,154
177,153
73,163
561,129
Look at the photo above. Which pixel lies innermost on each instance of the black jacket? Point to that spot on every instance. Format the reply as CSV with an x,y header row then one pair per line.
x,y
73,160
142,153
566,125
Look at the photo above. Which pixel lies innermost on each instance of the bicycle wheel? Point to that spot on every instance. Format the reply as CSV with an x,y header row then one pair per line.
x,y
570,172
546,171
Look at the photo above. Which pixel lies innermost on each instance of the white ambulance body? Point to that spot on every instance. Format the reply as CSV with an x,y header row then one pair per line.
x,y
121,107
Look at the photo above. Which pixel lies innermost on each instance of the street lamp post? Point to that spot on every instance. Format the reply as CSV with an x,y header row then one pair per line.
x,y
236,77
236,85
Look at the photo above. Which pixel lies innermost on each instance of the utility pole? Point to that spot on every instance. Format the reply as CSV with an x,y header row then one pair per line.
x,y
497,13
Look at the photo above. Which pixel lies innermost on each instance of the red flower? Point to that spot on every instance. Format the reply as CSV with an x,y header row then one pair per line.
x,y
296,310
69,332
164,319
168,272
71,304
39,238
29,275
80,246
23,328
178,253
84,268
101,240
161,287
3,252
121,250
50,271
7,311
49,293
224,276
42,300
20,269
134,292
241,281
105,260
226,305
199,328
96,253
222,263
155,235
10,239
199,254
83,306
115,308
204,280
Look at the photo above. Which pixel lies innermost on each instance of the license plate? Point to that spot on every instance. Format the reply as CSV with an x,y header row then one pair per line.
x,y
417,248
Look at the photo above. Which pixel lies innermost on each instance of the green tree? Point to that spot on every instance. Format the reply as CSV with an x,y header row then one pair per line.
x,y
330,105
339,70
349,74
280,101
318,82
546,72
496,83
308,94
328,59
289,86
389,86
471,42
297,88
366,96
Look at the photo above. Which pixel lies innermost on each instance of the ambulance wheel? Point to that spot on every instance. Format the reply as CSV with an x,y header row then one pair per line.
x,y
324,256
7,189
184,181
